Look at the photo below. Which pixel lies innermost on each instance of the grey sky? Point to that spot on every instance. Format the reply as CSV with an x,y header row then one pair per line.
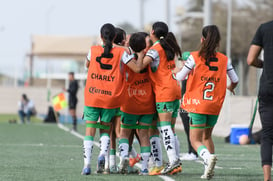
x,y
19,19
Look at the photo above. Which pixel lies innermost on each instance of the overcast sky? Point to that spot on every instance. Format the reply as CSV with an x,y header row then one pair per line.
x,y
19,19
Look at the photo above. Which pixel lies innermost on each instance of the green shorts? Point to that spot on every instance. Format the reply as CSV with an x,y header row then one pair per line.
x,y
176,108
197,119
172,106
119,112
94,113
133,119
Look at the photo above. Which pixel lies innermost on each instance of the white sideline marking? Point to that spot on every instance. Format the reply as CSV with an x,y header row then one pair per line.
x,y
61,126
38,145
218,167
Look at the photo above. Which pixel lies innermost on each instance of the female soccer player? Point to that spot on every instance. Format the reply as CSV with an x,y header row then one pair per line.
x,y
178,54
138,109
205,93
103,94
161,59
115,128
154,134
120,41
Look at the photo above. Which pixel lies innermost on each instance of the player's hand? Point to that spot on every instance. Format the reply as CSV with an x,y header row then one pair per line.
x,y
183,63
176,70
231,89
232,86
140,54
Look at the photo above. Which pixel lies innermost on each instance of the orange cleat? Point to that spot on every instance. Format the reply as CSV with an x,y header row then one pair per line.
x,y
156,170
176,170
133,161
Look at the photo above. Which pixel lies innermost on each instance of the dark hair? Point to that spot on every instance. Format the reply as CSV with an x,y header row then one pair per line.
x,y
171,40
120,36
145,34
160,29
137,42
108,34
211,41
71,73
24,96
170,47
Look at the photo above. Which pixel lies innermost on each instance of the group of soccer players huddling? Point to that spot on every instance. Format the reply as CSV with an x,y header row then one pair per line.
x,y
133,90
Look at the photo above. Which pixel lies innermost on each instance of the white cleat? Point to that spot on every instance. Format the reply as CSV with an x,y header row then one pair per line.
x,y
209,167
123,166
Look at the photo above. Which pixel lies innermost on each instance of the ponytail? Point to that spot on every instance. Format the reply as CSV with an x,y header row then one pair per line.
x,y
170,46
167,40
211,41
108,34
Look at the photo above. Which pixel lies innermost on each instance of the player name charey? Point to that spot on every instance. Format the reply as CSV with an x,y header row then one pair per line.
x,y
141,81
213,79
102,77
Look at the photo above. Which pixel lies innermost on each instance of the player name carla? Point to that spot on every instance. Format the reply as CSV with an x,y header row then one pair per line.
x,y
212,79
103,77
94,90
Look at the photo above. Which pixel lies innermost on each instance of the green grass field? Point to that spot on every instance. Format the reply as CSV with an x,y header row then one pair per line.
x,y
39,151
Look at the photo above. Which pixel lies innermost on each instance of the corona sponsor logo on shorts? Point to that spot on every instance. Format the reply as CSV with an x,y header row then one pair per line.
x,y
94,90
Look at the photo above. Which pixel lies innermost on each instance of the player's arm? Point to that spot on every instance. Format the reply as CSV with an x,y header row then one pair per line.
x,y
145,59
187,68
129,60
233,78
255,49
253,54
127,49
87,60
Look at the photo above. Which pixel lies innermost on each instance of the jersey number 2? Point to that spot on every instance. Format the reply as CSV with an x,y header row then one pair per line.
x,y
209,87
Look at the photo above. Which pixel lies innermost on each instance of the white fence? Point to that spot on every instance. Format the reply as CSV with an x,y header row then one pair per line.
x,y
236,109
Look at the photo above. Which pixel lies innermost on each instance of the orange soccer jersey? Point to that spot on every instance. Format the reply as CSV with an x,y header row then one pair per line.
x,y
165,86
138,97
104,86
206,85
